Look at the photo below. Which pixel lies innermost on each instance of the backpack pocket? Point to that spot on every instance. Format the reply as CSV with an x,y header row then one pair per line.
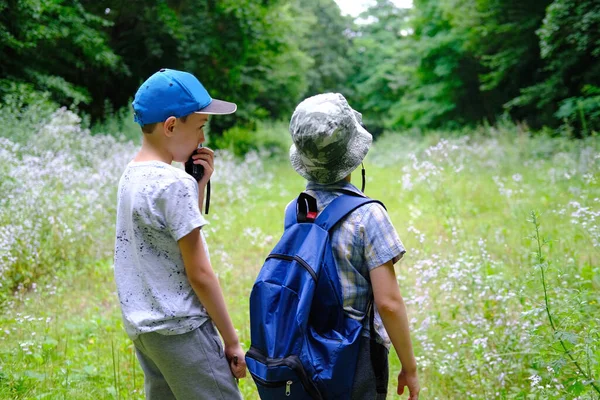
x,y
289,389
281,378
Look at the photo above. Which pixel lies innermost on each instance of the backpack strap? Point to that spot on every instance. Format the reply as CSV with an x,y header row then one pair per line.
x,y
303,209
340,207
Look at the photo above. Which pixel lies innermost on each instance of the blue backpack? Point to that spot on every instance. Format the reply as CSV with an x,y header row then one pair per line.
x,y
303,346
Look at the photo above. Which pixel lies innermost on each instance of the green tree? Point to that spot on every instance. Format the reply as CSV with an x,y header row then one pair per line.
x,y
244,51
53,46
383,64
501,36
444,89
570,48
473,57
328,43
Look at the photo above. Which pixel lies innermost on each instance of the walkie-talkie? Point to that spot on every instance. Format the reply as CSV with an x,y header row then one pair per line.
x,y
197,172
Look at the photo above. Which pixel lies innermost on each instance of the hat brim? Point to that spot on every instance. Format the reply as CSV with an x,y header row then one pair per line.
x,y
218,107
357,149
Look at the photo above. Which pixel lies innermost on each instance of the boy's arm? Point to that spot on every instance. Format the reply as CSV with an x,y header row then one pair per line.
x,y
206,286
393,314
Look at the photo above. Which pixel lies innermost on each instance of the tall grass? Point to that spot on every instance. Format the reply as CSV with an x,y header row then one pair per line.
x,y
57,190
471,278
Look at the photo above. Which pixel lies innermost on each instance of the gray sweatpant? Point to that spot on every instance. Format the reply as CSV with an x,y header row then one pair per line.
x,y
190,366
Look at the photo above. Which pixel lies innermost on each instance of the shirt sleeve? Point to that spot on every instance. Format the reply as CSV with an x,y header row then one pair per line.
x,y
179,205
380,242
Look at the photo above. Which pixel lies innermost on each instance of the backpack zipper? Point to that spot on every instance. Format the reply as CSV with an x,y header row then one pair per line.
x,y
274,385
297,259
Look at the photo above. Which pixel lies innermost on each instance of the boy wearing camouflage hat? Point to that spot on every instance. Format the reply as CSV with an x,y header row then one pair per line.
x,y
329,143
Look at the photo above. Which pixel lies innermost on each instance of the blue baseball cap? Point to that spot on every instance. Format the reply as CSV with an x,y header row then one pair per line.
x,y
175,93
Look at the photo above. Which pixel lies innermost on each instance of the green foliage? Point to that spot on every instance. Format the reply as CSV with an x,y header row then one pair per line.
x,y
238,140
58,182
478,301
471,61
383,65
53,45
271,137
570,43
328,43
583,111
471,57
441,64
243,51
438,86
576,345
501,36
23,111
119,124
255,60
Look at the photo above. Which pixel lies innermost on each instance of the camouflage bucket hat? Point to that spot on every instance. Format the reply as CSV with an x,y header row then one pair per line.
x,y
329,140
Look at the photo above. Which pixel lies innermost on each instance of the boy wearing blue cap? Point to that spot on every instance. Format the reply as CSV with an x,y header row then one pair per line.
x,y
170,297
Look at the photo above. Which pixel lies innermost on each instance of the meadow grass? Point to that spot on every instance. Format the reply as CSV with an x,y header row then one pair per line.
x,y
471,277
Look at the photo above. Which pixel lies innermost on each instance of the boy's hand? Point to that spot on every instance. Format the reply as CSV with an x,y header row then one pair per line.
x,y
412,381
205,157
237,361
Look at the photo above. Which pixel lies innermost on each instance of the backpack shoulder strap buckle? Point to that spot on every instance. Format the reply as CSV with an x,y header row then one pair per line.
x,y
306,208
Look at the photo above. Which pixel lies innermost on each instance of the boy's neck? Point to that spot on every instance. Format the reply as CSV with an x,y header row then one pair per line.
x,y
151,151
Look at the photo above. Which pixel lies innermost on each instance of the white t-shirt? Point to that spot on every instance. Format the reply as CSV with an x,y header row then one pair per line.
x,y
157,206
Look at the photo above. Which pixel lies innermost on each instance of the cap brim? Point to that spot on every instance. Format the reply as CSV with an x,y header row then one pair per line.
x,y
218,107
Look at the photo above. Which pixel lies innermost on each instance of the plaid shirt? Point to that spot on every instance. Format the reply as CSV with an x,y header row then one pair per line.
x,y
362,241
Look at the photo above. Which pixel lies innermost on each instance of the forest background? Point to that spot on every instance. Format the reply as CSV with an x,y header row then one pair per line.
x,y
440,64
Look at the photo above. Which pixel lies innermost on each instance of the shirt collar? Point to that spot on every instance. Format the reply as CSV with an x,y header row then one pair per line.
x,y
332,187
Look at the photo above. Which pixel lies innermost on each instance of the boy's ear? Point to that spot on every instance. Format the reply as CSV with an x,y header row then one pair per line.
x,y
169,126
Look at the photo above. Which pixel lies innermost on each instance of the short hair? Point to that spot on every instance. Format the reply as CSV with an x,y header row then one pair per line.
x,y
149,128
